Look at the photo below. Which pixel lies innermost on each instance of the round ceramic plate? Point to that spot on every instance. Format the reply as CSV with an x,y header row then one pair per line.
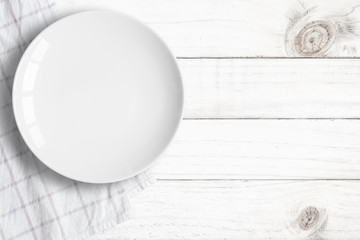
x,y
97,96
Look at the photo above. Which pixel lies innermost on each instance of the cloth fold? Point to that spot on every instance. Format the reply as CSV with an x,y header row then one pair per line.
x,y
36,202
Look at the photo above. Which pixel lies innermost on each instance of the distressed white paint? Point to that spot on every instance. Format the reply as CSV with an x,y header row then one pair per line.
x,y
271,88
220,28
242,210
224,151
263,149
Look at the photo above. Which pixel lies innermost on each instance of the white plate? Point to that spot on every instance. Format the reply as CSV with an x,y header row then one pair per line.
x,y
97,96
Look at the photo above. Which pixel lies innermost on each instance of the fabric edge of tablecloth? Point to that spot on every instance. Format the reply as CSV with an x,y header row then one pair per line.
x,y
146,182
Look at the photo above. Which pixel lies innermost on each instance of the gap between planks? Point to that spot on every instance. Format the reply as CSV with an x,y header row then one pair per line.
x,y
262,57
265,118
255,180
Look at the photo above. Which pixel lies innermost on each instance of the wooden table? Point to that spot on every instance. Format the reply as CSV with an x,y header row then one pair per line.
x,y
270,143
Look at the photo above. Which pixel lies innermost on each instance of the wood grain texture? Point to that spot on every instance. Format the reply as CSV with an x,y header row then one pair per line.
x,y
242,60
202,28
263,149
271,88
243,210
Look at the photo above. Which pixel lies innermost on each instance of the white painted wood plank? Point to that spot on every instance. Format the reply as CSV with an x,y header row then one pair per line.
x,y
237,27
271,88
244,210
263,149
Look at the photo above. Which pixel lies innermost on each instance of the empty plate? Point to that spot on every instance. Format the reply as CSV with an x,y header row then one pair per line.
x,y
97,96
